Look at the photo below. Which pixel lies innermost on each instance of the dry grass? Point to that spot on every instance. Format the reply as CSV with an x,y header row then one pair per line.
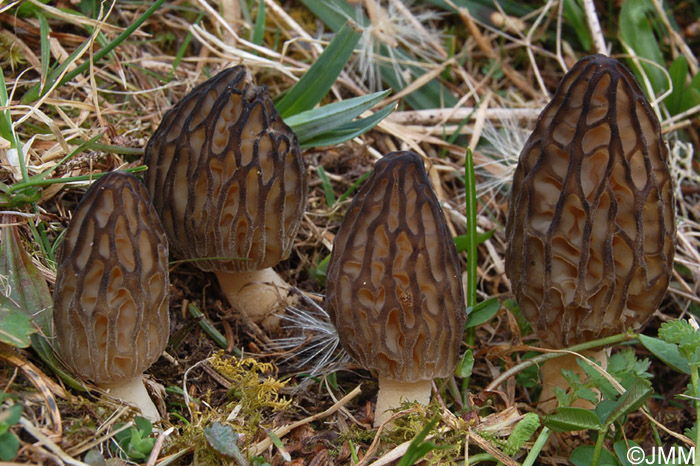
x,y
500,76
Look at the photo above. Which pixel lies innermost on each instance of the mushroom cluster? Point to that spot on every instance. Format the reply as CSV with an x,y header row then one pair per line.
x,y
590,224
394,290
228,181
111,294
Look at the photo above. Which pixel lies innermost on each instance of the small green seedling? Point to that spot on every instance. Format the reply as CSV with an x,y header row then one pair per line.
x,y
134,443
9,416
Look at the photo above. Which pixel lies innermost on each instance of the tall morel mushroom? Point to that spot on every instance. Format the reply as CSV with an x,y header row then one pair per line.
x,y
394,289
227,178
111,294
591,218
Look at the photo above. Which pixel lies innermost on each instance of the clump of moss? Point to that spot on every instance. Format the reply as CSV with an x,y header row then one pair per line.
x,y
253,388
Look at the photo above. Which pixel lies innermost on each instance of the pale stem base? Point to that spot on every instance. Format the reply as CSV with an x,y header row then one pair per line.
x,y
552,377
259,295
133,392
393,392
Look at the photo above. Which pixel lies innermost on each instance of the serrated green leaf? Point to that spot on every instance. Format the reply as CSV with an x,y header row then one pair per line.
x,y
311,123
315,83
667,352
482,312
569,419
633,399
350,130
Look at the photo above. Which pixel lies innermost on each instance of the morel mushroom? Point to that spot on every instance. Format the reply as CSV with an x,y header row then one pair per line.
x,y
591,219
111,294
394,291
227,178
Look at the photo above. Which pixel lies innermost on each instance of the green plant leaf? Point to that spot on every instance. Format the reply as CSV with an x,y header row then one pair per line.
x,y
466,366
667,352
15,325
569,419
462,241
224,439
315,83
9,445
349,130
482,312
636,31
622,448
24,284
633,399
311,123
583,456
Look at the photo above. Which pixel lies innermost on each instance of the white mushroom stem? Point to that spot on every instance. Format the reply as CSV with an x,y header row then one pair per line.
x,y
394,392
133,392
259,295
552,377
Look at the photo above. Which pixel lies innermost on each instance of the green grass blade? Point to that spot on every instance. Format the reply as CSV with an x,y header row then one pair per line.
x,y
327,186
354,186
315,83
309,124
5,120
334,13
45,47
575,16
258,31
348,131
36,92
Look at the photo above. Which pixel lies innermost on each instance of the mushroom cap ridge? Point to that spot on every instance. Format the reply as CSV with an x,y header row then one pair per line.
x,y
226,176
111,318
590,229
394,289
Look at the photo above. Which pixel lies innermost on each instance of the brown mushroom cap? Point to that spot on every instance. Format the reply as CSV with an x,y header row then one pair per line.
x,y
591,218
394,289
111,295
227,177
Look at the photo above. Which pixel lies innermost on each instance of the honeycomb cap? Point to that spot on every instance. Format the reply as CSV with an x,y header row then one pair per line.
x,y
111,295
590,224
226,176
394,289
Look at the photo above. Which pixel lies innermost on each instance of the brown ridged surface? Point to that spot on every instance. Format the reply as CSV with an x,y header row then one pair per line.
x,y
591,218
226,175
111,295
394,289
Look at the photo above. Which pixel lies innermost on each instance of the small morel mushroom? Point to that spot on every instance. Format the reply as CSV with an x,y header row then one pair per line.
x,y
111,295
227,178
590,224
394,289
